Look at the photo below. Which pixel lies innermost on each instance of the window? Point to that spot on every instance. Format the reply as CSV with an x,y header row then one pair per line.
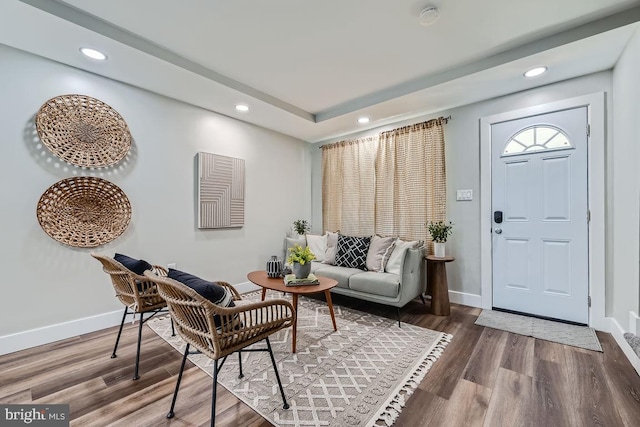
x,y
537,138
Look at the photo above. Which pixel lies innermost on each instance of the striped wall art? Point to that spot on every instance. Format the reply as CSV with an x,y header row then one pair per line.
x,y
220,191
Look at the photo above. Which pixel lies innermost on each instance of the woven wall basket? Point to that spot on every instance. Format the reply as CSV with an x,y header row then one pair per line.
x,y
83,131
84,211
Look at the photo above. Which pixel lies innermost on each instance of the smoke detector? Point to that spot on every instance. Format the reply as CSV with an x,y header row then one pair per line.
x,y
429,15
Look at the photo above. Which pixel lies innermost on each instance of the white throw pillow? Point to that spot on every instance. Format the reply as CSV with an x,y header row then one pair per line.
x,y
318,245
290,243
397,256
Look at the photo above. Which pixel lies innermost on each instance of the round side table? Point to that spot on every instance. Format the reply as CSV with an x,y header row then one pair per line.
x,y
437,283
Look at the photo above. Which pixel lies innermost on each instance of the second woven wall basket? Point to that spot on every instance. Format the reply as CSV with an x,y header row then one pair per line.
x,y
83,131
84,211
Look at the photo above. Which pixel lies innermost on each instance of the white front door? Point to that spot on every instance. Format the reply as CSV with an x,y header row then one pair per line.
x,y
540,224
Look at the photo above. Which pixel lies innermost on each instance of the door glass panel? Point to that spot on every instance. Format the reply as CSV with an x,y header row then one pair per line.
x,y
535,139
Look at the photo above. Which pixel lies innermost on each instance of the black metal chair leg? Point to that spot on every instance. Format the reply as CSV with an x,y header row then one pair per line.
x,y
173,330
135,375
113,355
398,309
422,298
213,394
275,368
240,363
175,392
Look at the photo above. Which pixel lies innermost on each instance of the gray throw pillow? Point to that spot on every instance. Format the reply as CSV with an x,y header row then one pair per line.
x,y
380,250
352,251
332,246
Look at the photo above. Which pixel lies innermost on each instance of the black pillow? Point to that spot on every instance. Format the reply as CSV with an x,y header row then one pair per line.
x,y
212,291
138,266
352,251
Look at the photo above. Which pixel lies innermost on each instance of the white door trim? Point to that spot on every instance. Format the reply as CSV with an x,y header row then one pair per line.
x,y
595,104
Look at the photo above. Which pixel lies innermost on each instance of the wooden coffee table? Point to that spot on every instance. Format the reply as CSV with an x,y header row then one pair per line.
x,y
261,279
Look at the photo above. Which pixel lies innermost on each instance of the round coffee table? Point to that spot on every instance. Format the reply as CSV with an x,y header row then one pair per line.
x,y
261,279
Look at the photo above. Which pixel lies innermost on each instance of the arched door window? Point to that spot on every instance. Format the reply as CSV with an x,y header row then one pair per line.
x,y
537,138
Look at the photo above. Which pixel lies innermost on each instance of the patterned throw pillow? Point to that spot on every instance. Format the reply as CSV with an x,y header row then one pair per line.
x,y
352,251
212,291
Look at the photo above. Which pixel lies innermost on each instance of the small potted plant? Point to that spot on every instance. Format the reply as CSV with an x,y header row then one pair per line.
x,y
440,232
301,226
300,259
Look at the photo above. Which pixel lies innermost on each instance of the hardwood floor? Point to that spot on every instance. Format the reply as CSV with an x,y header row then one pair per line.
x,y
484,378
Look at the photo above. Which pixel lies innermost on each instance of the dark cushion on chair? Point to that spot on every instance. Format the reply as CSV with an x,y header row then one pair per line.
x,y
138,266
215,293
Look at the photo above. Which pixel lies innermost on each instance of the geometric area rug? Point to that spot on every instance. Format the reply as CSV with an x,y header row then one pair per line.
x,y
359,375
563,333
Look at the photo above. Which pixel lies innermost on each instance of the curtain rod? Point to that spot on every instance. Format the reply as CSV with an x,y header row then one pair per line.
x,y
439,120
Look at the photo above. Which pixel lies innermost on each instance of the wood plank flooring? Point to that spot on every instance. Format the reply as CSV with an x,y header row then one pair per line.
x,y
484,378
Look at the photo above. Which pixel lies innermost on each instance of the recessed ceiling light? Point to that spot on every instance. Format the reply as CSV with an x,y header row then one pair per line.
x,y
93,54
535,71
364,120
242,107
429,15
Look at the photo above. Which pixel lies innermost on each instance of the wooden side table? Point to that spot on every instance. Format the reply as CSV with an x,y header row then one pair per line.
x,y
437,284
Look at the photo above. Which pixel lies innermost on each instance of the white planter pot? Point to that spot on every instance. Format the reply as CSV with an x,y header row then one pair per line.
x,y
438,249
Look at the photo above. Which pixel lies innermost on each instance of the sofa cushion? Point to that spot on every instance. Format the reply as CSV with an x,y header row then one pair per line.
x,y
397,256
352,251
318,245
383,284
380,250
341,274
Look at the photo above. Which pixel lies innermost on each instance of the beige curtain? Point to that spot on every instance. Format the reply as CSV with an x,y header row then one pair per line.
x,y
348,186
390,184
410,180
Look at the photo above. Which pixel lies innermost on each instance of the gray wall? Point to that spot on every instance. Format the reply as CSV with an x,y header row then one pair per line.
x,y
462,145
46,283
624,198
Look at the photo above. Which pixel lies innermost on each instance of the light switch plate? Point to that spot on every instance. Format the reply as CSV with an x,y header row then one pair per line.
x,y
464,195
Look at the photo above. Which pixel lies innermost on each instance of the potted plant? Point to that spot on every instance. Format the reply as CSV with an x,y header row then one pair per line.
x,y
301,226
440,232
300,259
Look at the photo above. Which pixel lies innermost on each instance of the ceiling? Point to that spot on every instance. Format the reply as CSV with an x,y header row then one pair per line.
x,y
310,69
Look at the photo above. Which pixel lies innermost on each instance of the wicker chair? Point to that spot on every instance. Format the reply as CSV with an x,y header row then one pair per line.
x,y
240,327
137,293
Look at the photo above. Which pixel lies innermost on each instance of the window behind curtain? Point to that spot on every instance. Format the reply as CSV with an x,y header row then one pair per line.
x,y
389,184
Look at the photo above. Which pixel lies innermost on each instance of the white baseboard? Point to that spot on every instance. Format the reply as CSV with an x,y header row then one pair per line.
x,y
634,323
464,298
48,334
618,334
245,287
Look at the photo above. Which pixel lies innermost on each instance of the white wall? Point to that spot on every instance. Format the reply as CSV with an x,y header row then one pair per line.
x,y
625,197
46,283
462,145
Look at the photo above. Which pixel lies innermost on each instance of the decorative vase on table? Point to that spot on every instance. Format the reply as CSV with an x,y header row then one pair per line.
x,y
274,267
438,249
301,271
